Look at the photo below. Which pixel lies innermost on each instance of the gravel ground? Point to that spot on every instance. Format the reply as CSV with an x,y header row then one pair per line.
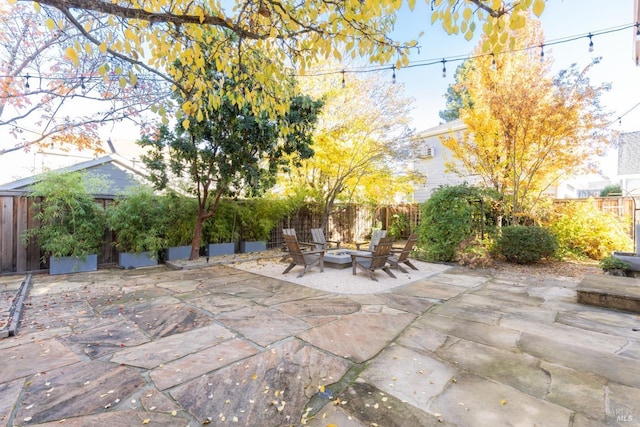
x,y
576,270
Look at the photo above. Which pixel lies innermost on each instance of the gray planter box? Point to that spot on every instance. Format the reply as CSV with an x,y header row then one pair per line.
x,y
134,260
257,246
177,252
216,249
68,264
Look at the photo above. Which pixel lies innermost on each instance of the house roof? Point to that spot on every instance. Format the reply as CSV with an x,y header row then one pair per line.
x,y
629,154
120,173
442,129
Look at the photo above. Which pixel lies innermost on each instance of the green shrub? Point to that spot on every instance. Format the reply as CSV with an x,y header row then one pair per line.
x,y
259,216
180,215
613,263
224,225
71,222
138,220
399,226
451,215
584,231
525,244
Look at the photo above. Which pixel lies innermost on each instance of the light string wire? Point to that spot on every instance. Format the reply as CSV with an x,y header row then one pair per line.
x,y
459,58
373,69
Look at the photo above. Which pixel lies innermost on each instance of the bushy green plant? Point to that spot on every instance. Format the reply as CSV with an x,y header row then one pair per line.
x,y
613,263
399,226
260,215
223,227
525,244
71,222
584,231
451,215
611,191
138,220
180,214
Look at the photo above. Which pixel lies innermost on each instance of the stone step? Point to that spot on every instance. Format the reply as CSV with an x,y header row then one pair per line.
x,y
618,293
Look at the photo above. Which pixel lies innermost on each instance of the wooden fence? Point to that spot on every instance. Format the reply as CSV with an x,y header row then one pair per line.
x,y
352,223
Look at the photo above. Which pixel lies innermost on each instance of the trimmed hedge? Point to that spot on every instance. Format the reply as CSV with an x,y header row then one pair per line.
x,y
526,244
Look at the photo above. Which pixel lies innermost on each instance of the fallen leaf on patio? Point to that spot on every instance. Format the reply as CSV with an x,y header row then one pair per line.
x,y
503,402
453,380
146,421
254,376
174,413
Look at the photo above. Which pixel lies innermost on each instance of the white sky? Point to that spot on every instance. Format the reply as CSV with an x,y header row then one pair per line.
x,y
425,84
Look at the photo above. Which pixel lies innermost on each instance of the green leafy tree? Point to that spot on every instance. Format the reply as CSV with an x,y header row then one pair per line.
x,y
457,96
231,150
611,191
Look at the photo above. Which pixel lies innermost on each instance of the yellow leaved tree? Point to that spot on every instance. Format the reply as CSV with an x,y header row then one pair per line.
x,y
361,142
526,129
292,34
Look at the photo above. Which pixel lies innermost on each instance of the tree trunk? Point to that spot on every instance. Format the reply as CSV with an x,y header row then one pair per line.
x,y
197,237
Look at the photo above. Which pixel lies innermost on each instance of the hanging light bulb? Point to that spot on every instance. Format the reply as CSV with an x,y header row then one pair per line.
x,y
493,61
393,78
27,83
444,68
541,53
343,83
590,43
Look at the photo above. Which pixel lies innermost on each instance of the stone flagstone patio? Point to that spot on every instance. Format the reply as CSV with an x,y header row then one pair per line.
x,y
221,346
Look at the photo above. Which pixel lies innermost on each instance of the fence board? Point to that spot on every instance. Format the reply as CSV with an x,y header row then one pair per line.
x,y
22,217
6,228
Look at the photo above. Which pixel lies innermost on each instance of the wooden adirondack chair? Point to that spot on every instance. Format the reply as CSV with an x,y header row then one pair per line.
x,y
292,232
376,261
401,255
376,235
307,259
317,237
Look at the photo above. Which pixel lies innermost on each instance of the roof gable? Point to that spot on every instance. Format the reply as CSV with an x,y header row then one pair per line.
x,y
118,172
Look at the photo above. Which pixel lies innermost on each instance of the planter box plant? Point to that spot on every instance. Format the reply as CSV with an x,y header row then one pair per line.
x,y
220,230
72,224
179,213
258,217
138,221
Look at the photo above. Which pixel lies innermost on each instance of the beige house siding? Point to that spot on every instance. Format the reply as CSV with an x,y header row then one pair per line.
x,y
433,158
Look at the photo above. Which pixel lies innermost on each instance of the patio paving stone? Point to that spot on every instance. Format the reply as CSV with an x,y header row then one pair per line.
x,y
219,345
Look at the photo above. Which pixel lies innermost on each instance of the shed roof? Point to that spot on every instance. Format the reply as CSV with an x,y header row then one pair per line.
x,y
120,173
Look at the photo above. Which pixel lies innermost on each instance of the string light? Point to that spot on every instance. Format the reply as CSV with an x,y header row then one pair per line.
x,y
444,68
493,61
393,78
590,43
635,25
27,83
